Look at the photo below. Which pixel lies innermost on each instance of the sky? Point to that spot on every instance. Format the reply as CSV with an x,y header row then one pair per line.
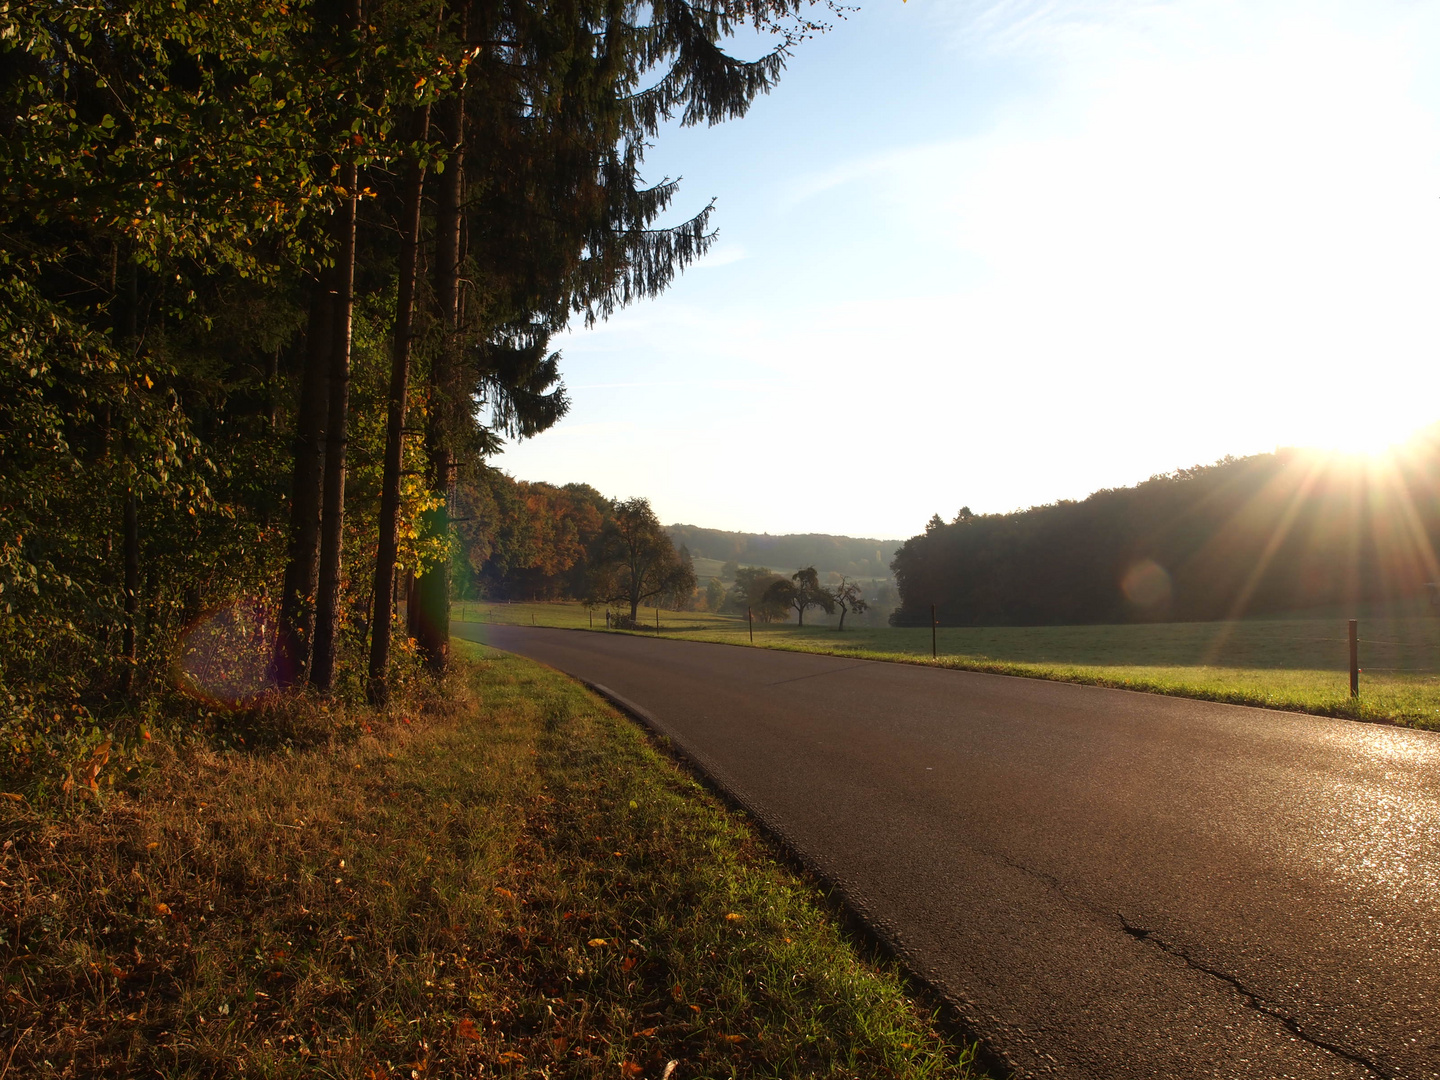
x,y
995,254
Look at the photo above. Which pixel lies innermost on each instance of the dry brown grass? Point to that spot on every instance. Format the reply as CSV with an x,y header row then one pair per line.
x,y
512,882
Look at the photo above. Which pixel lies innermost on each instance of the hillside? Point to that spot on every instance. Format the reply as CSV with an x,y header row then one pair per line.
x,y
855,557
1263,535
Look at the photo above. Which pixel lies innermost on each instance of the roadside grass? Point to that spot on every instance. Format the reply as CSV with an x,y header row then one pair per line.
x,y
514,882
1294,664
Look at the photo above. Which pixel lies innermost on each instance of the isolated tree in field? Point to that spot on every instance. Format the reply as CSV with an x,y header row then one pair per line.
x,y
847,599
640,559
802,592
714,594
749,592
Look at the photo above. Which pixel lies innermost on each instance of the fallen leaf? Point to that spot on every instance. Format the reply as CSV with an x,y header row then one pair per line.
x,y
162,909
465,1029
733,1038
152,845
695,1008
629,1068
12,796
629,963
501,890
669,1068
732,917
596,942
510,1057
645,1034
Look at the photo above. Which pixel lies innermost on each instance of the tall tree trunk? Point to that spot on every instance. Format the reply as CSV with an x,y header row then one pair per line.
x,y
332,519
429,614
130,541
297,600
130,515
381,616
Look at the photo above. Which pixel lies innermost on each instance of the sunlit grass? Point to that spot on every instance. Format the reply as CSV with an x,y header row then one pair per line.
x,y
1295,664
515,883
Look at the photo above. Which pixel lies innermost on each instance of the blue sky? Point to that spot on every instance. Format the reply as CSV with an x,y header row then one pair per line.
x,y
999,254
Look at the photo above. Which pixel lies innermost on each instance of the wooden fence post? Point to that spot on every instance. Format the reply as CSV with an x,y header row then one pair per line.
x,y
934,634
750,618
1354,657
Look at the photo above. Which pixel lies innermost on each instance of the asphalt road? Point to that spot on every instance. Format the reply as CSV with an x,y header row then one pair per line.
x,y
1106,884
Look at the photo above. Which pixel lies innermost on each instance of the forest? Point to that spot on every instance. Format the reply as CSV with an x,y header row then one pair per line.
x,y
276,277
1271,534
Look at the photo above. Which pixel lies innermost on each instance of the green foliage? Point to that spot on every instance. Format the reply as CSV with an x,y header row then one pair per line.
x,y
172,182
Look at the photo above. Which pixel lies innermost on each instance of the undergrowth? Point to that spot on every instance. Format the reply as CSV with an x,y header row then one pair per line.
x,y
510,882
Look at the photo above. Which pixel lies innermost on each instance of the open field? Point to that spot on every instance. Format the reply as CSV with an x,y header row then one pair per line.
x,y
511,882
1296,664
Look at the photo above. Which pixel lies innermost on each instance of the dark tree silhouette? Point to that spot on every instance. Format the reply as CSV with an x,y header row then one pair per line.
x,y
802,592
847,599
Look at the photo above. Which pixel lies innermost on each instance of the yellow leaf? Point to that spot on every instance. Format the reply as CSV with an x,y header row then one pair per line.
x,y
162,909
596,942
733,1038
510,1057
629,1068
732,917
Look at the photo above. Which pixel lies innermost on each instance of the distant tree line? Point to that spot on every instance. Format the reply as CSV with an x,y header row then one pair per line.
x,y
535,541
1261,535
843,554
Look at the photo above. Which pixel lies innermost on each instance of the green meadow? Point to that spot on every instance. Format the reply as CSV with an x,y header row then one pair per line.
x,y
1298,664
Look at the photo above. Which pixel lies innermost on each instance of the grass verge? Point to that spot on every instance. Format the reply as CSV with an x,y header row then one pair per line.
x,y
513,884
1298,665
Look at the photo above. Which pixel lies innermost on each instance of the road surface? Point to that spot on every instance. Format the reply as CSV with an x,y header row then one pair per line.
x,y
1105,883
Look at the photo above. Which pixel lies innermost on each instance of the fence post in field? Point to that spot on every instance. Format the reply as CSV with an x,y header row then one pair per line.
x,y
657,618
750,618
1354,657
591,612
934,634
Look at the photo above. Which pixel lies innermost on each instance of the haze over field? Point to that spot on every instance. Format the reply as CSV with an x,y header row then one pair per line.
x,y
997,254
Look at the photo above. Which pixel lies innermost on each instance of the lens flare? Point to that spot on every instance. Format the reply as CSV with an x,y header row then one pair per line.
x,y
1146,584
226,656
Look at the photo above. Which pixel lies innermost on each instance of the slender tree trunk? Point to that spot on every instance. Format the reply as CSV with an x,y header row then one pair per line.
x,y
429,616
297,599
332,519
130,541
381,617
130,516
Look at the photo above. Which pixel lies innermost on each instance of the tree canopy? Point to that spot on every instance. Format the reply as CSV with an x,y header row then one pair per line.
x,y
274,275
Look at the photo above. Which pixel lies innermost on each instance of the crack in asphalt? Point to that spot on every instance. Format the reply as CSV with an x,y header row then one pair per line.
x,y
816,674
1252,999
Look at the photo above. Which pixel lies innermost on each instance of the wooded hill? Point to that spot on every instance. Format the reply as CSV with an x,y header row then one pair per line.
x,y
1261,535
851,556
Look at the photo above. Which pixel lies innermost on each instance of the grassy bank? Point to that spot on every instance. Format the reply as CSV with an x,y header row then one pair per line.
x,y
512,883
1295,664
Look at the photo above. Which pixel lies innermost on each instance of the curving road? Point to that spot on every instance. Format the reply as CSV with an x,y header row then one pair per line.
x,y
1106,884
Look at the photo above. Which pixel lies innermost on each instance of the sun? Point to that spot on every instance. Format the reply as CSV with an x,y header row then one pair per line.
x,y
1363,438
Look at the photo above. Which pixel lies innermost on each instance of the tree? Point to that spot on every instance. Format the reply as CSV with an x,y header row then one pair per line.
x,y
714,594
802,592
847,599
752,583
641,561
